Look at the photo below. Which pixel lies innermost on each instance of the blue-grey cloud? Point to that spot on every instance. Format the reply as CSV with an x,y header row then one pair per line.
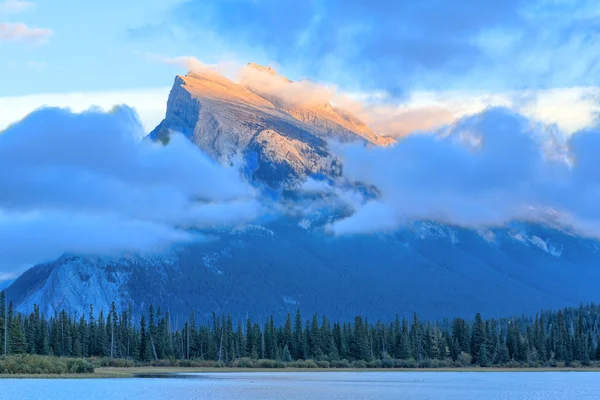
x,y
486,170
399,45
84,183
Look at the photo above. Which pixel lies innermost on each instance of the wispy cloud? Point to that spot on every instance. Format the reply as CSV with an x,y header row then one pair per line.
x,y
7,276
15,6
19,32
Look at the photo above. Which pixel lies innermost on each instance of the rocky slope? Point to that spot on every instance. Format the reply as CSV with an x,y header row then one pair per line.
x,y
255,270
282,141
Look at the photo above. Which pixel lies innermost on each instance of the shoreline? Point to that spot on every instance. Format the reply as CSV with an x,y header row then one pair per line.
x,y
170,372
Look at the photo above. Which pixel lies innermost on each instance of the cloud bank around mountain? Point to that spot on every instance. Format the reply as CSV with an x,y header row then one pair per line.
x,y
485,170
85,183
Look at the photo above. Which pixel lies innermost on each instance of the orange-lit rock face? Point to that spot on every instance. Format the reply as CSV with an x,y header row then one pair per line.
x,y
226,118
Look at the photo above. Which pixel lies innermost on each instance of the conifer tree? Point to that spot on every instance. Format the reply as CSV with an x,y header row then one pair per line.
x,y
478,338
3,325
314,338
16,337
298,337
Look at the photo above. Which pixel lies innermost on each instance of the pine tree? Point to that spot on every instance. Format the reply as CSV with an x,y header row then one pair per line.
x,y
240,342
92,336
326,340
16,336
286,355
298,338
145,352
478,339
404,342
428,346
502,354
359,347
3,325
482,356
416,338
314,338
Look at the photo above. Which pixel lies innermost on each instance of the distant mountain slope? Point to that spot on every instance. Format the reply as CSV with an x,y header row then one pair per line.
x,y
253,270
284,142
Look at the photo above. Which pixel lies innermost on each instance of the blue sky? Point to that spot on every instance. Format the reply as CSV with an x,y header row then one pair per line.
x,y
89,48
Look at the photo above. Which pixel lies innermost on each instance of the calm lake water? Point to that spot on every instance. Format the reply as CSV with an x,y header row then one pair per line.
x,y
316,386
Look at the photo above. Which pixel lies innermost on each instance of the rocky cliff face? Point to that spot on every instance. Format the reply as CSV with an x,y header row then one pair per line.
x,y
283,141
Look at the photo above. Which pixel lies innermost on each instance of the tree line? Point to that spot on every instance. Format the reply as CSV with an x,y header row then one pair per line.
x,y
568,337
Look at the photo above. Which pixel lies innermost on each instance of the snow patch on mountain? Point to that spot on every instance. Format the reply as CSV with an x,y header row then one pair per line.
x,y
548,246
289,300
252,229
211,262
488,235
429,229
304,223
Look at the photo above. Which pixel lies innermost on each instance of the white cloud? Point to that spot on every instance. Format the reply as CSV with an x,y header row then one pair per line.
x,y
7,276
15,6
150,104
19,32
486,170
85,183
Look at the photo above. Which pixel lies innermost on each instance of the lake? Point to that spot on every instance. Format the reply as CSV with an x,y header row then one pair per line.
x,y
317,385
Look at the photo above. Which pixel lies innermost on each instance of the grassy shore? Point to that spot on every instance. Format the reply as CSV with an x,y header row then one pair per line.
x,y
146,372
35,366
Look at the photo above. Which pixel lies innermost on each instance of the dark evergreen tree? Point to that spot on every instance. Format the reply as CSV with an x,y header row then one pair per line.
x,y
478,338
298,337
3,324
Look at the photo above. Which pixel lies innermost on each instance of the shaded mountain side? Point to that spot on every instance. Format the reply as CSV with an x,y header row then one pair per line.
x,y
258,270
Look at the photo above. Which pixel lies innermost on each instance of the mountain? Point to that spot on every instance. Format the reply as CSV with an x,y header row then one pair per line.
x,y
282,140
282,131
252,270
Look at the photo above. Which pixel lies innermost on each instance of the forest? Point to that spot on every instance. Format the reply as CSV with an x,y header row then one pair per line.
x,y
568,337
